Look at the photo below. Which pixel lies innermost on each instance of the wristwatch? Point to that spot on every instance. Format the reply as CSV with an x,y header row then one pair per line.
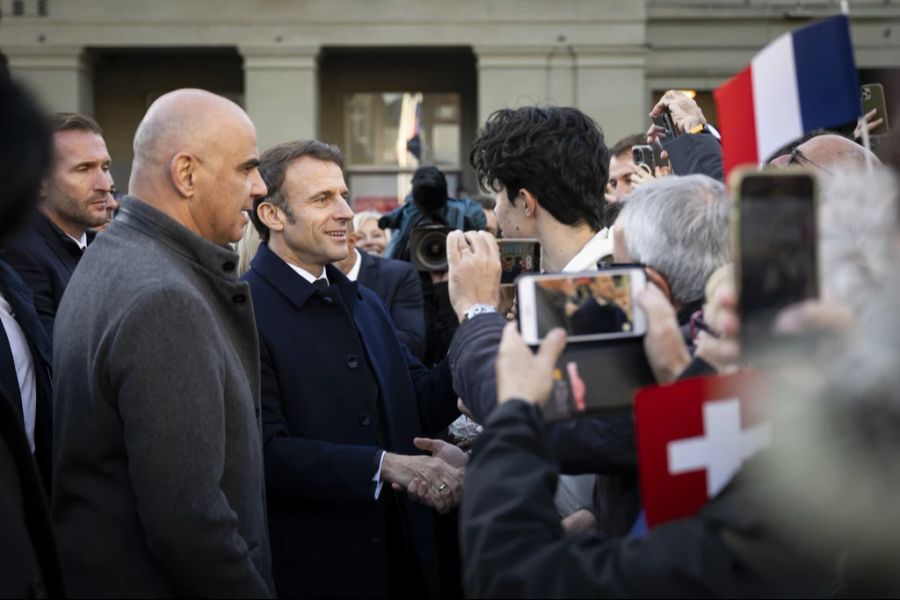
x,y
479,309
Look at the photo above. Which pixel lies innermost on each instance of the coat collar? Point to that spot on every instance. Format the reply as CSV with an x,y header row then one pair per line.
x,y
218,260
292,286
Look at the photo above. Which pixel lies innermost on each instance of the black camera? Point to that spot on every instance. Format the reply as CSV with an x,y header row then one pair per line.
x,y
428,247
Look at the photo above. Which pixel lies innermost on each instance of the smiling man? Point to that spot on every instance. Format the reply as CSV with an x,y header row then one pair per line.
x,y
73,199
343,401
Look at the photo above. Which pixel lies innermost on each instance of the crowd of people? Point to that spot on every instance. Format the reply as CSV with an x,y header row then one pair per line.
x,y
226,383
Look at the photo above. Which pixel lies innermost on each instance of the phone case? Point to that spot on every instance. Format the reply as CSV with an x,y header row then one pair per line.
x,y
873,97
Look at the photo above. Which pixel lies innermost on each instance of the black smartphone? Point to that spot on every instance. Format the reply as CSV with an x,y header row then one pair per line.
x,y
519,257
776,249
665,121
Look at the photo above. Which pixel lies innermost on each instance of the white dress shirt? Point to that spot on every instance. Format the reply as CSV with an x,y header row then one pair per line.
x,y
82,241
353,275
24,363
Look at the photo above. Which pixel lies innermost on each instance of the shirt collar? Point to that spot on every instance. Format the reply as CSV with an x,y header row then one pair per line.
x,y
353,275
587,258
306,274
82,241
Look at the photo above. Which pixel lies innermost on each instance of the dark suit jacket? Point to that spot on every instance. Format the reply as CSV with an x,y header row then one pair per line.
x,y
19,297
397,283
29,566
321,434
40,256
593,317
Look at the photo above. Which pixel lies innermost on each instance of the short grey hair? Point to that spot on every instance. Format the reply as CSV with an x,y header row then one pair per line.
x,y
680,227
859,237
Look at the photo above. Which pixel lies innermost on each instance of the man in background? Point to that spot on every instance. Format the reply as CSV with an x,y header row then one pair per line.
x,y
74,198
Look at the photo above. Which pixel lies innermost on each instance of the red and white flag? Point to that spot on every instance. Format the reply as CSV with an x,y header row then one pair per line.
x,y
693,437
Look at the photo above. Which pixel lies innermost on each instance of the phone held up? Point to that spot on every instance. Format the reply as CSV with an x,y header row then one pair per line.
x,y
642,156
774,233
590,306
518,257
665,121
604,362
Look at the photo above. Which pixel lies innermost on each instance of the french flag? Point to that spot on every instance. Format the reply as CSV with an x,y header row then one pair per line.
x,y
803,81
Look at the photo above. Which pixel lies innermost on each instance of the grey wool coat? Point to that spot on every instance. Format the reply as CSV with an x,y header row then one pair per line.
x,y
158,487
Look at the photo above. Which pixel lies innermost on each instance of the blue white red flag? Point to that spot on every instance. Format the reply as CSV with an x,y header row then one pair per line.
x,y
803,81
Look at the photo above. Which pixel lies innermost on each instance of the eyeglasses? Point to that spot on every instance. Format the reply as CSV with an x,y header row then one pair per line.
x,y
797,156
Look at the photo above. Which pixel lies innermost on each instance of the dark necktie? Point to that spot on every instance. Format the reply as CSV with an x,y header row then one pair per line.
x,y
321,283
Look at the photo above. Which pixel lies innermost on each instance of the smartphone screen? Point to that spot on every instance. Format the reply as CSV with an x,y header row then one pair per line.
x,y
778,249
519,257
588,306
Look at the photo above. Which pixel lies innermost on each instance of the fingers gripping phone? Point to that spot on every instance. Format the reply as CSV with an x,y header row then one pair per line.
x,y
665,121
590,306
774,232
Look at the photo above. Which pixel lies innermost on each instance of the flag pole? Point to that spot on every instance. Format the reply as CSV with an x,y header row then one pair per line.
x,y
863,127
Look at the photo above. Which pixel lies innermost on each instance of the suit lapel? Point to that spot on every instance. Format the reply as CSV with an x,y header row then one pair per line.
x,y
21,299
51,238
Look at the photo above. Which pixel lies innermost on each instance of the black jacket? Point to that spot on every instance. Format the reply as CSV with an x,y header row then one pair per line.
x,y
695,154
45,258
397,284
19,297
29,566
514,547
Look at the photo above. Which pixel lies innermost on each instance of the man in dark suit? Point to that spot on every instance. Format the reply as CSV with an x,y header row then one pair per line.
x,y
73,199
25,370
600,313
29,567
397,284
342,401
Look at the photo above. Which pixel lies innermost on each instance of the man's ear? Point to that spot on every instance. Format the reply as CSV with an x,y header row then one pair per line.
x,y
42,190
655,277
183,171
529,201
270,216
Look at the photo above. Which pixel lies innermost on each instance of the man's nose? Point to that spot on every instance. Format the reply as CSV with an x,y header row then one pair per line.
x,y
258,189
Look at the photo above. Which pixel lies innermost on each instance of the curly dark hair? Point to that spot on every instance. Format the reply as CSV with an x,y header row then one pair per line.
x,y
556,153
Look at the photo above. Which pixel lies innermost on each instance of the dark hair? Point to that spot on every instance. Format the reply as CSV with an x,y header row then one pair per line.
x,y
64,121
624,145
273,165
556,153
25,154
429,189
611,212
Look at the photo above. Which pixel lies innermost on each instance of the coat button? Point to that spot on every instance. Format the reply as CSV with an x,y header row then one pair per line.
x,y
365,420
229,266
327,299
352,361
239,299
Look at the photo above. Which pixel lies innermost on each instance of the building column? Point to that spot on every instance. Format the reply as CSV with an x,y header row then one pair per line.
x,y
510,77
60,77
281,92
611,88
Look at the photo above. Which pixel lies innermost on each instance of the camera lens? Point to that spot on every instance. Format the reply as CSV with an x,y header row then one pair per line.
x,y
432,251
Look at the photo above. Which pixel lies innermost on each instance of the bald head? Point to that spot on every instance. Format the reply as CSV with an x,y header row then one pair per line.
x,y
195,159
829,152
187,120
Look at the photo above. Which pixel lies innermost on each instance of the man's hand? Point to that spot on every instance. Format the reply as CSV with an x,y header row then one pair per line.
x,y
721,350
448,453
686,114
523,375
664,345
872,121
474,260
426,479
578,521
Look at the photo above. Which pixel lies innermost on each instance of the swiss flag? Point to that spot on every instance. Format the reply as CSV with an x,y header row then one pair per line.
x,y
692,438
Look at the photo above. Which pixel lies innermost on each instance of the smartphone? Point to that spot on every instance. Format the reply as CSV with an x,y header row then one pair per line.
x,y
519,257
665,121
643,155
873,97
774,229
590,306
